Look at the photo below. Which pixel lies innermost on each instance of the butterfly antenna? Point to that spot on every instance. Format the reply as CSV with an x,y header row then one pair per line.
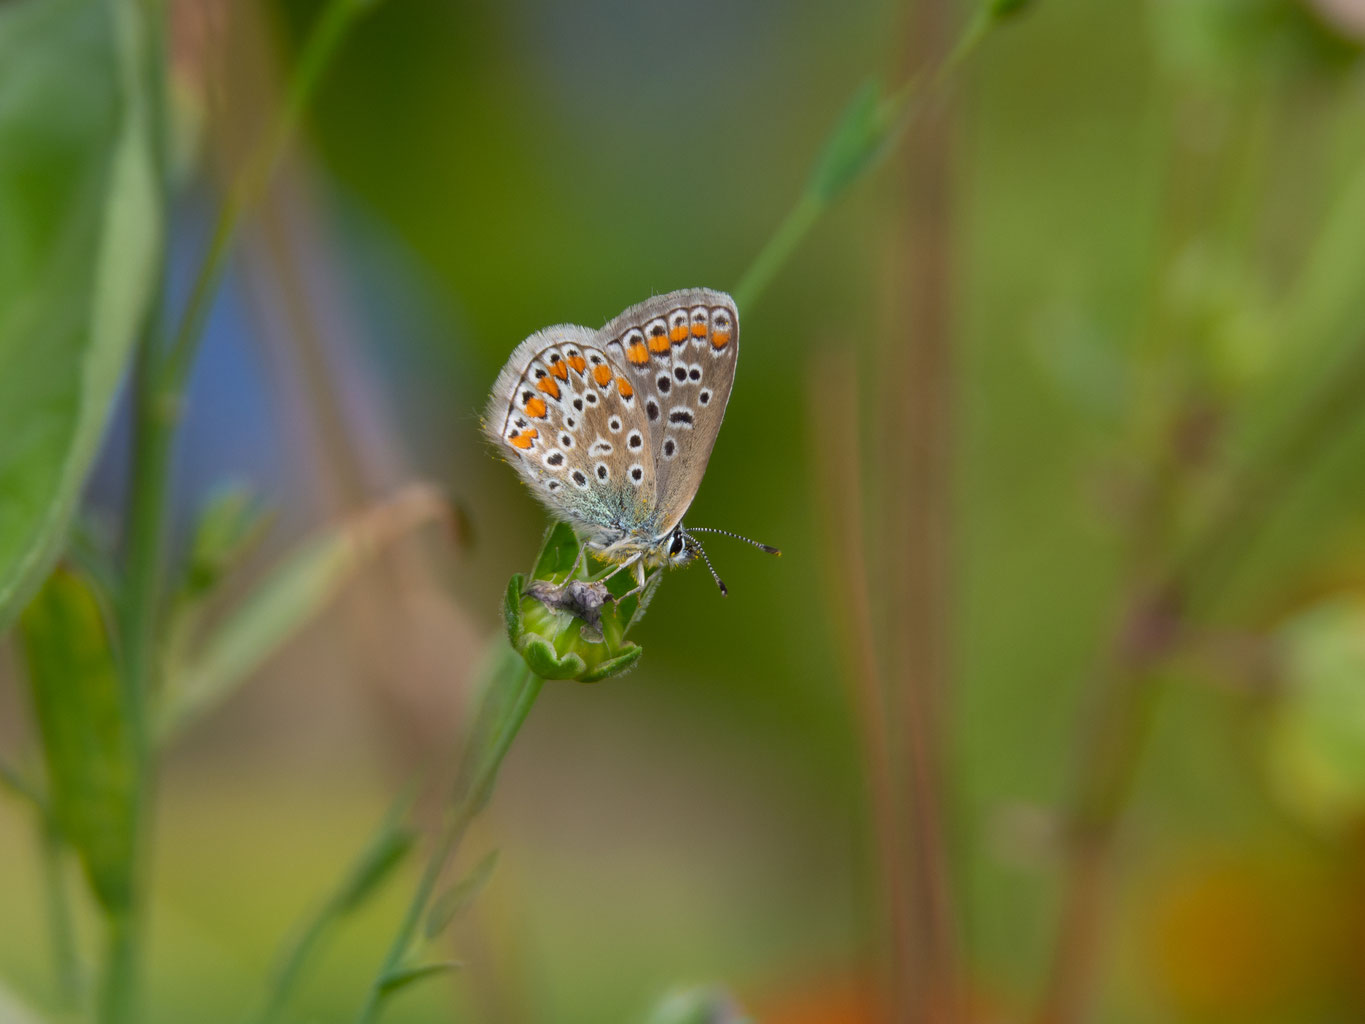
x,y
724,591
711,529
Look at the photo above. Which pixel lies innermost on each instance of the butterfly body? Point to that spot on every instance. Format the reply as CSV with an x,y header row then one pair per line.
x,y
612,428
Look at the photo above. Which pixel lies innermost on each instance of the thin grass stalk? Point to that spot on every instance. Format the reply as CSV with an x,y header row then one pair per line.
x,y
893,116
477,777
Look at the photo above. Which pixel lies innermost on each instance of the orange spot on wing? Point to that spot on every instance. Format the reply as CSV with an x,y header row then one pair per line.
x,y
560,369
536,407
678,333
698,330
525,439
638,354
720,339
602,374
659,343
578,362
624,387
548,385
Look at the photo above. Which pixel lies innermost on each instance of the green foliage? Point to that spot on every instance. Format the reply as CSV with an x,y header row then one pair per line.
x,y
230,523
401,978
76,699
867,127
1232,42
460,896
1316,743
389,847
79,252
290,596
377,862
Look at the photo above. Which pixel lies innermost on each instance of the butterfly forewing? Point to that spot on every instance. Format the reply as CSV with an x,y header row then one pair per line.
x,y
573,425
679,352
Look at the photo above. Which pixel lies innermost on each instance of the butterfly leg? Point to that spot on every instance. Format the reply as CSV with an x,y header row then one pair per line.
x,y
637,567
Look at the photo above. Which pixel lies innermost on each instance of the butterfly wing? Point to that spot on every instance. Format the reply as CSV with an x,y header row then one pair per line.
x,y
678,351
574,426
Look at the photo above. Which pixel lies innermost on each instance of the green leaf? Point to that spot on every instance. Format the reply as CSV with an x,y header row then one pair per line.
x,y
458,898
868,126
231,521
76,701
289,597
405,976
80,252
558,556
382,854
612,666
376,863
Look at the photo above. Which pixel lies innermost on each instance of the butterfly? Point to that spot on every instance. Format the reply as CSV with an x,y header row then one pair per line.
x,y
612,429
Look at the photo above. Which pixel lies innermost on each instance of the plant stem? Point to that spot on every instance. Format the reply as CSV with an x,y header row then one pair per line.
x,y
478,774
153,421
291,968
897,111
778,249
382,854
159,384
66,969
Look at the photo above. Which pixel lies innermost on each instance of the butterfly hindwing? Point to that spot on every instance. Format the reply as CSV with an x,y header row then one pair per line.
x,y
679,352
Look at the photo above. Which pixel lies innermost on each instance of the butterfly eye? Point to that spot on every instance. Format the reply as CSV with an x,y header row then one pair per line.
x,y
675,549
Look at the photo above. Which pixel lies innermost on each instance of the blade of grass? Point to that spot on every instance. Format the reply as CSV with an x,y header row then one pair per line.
x,y
289,597
389,846
869,128
498,722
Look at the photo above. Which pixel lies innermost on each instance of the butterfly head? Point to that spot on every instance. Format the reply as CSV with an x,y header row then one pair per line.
x,y
679,548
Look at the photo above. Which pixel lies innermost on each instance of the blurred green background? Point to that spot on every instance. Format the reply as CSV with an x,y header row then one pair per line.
x,y
1147,241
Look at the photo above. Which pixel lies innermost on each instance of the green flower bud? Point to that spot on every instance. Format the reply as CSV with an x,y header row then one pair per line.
x,y
567,625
